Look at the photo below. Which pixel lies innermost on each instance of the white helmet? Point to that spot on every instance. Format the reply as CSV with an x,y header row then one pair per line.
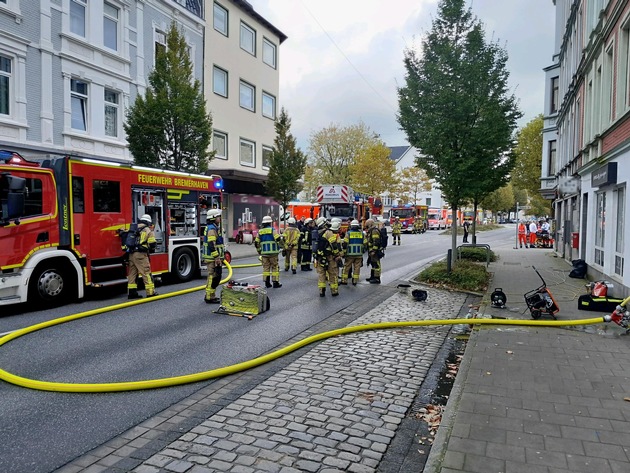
x,y
335,219
266,219
146,218
291,221
335,226
307,221
321,221
213,213
354,223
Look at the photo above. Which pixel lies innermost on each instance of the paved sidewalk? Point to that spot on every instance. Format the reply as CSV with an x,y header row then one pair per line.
x,y
538,399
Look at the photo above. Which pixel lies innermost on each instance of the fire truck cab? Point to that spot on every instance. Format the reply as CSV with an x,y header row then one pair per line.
x,y
60,219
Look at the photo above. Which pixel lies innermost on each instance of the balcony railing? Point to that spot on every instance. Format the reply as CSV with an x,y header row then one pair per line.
x,y
193,6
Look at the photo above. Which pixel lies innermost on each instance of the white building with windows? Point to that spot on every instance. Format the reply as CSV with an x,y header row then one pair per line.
x,y
405,157
586,135
242,88
70,68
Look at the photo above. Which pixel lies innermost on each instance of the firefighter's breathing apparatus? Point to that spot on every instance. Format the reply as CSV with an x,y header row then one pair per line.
x,y
227,370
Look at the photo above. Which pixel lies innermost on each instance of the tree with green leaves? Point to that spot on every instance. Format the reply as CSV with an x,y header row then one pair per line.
x,y
287,163
527,169
411,183
333,149
169,127
455,106
372,172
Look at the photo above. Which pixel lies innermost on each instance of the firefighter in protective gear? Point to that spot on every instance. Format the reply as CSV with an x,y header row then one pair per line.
x,y
375,251
291,242
396,231
328,252
212,253
139,263
269,243
417,225
353,247
305,244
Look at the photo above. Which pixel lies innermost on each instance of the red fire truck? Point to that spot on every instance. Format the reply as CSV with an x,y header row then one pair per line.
x,y
407,215
340,201
60,217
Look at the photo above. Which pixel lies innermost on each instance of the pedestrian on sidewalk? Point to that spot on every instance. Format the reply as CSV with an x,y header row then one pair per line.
x,y
533,229
522,234
466,227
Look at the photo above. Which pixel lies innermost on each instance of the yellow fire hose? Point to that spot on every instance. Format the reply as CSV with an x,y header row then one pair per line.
x,y
227,370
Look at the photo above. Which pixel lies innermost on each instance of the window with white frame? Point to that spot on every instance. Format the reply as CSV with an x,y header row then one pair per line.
x,y
551,171
248,39
268,106
77,17
219,144
247,153
220,81
623,67
555,94
110,26
600,228
5,85
607,85
79,102
620,205
247,94
220,19
267,153
269,53
159,41
112,100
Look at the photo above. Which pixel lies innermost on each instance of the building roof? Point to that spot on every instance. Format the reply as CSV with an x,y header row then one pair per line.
x,y
398,152
246,6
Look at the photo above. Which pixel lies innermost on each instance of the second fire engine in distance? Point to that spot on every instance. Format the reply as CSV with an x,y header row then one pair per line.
x,y
408,215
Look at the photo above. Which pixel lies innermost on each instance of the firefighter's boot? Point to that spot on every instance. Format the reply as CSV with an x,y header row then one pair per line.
x,y
276,284
375,280
371,276
133,294
322,292
267,281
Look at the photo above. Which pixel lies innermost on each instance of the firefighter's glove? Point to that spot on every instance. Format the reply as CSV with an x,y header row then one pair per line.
x,y
218,261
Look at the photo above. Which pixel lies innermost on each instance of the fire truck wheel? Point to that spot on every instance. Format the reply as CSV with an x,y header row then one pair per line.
x,y
50,284
184,265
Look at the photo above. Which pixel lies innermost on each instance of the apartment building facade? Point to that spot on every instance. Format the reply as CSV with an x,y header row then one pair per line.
x,y
242,83
69,69
586,136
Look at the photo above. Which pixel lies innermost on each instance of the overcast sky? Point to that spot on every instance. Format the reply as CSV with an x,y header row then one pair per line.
x,y
343,59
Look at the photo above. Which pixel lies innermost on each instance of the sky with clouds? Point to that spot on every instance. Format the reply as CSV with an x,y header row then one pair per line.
x,y
343,59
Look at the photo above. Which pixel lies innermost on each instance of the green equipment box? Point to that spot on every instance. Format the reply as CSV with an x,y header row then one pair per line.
x,y
246,301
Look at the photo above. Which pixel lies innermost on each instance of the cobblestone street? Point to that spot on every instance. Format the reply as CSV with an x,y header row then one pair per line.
x,y
336,408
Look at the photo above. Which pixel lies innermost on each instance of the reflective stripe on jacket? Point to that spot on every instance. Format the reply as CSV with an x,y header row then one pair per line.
x,y
354,241
212,243
268,243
